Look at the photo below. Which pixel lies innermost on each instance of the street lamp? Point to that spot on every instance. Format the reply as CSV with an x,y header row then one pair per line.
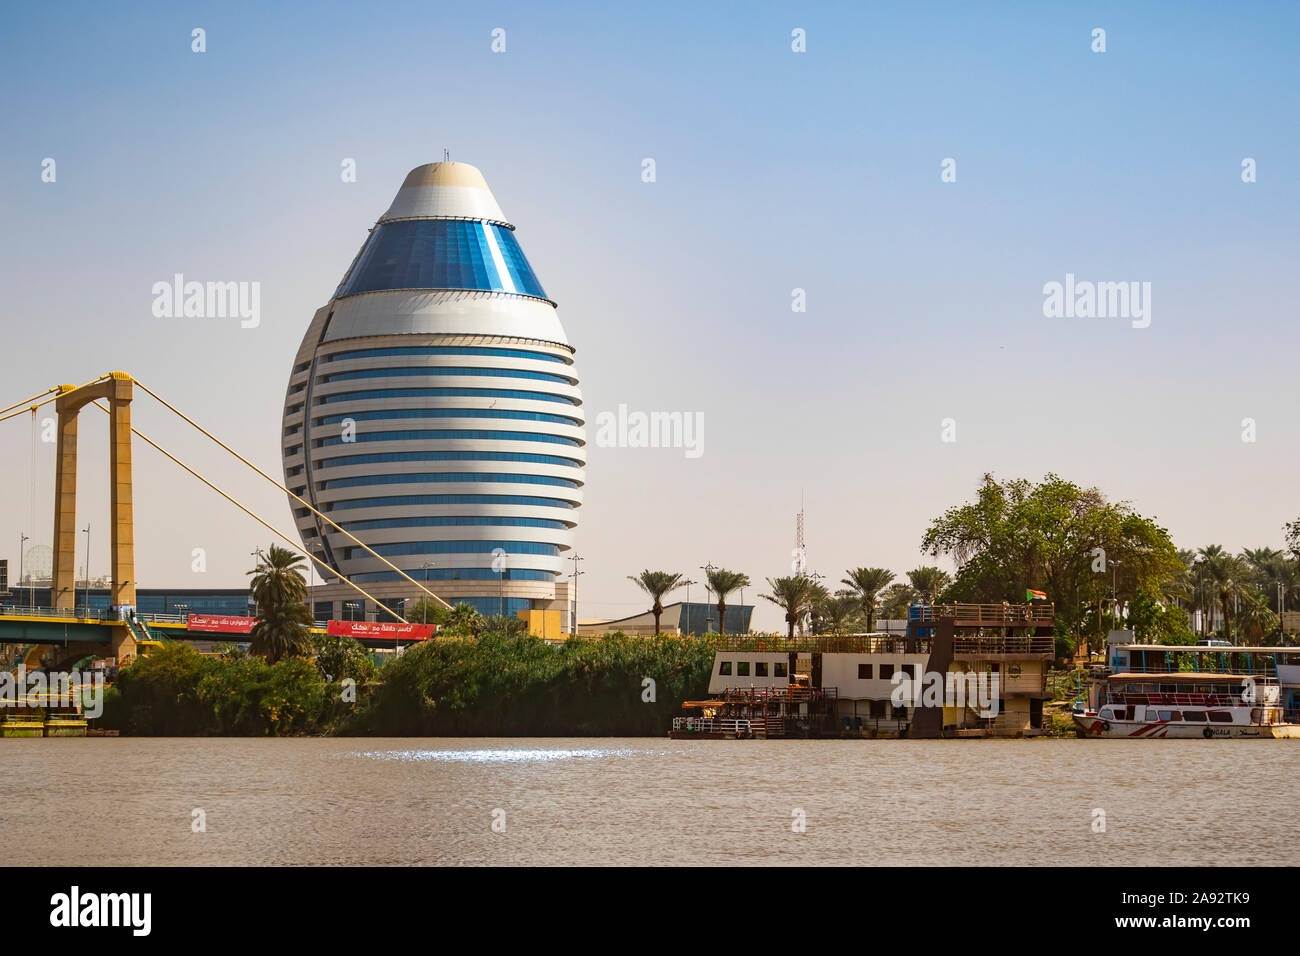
x,y
87,530
688,606
708,592
257,556
24,540
425,599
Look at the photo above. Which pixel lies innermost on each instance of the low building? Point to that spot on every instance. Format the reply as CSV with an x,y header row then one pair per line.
x,y
679,618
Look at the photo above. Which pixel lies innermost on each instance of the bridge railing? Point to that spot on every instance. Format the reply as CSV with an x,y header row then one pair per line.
x,y
85,613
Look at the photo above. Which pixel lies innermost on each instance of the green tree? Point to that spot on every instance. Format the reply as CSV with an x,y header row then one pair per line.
x,y
1223,574
797,595
657,584
465,620
1053,536
838,613
283,618
897,598
722,582
929,582
866,584
340,657
425,611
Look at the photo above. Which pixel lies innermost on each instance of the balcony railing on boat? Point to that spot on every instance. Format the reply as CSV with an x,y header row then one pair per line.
x,y
825,644
792,693
1179,700
1040,613
1004,644
731,726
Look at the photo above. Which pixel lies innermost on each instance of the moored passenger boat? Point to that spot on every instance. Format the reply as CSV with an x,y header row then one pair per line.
x,y
1209,692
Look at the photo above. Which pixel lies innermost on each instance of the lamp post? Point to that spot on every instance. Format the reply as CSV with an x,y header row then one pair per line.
x,y
257,558
708,593
87,530
23,539
688,606
1281,631
424,601
575,574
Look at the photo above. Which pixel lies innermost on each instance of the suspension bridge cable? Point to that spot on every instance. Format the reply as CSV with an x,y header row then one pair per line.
x,y
308,505
23,404
378,604
57,390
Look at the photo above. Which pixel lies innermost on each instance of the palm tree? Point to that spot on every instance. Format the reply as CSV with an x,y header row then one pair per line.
x,y
657,584
867,583
929,582
464,619
1225,573
839,612
283,618
722,582
896,599
796,595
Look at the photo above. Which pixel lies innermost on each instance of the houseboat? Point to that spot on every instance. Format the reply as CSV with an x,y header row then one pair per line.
x,y
765,686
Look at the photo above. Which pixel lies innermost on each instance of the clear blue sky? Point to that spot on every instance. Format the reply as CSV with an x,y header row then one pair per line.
x,y
775,170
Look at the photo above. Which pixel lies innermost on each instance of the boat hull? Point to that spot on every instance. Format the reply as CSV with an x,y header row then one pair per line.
x,y
1093,726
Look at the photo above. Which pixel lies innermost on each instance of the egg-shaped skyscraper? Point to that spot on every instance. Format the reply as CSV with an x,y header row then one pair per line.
x,y
433,410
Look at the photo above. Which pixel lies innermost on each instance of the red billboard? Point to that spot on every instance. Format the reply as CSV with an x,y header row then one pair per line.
x,y
220,623
381,629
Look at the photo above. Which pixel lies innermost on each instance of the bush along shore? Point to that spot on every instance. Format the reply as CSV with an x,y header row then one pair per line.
x,y
497,684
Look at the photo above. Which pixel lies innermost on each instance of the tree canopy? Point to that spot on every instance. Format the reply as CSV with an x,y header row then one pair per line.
x,y
1053,536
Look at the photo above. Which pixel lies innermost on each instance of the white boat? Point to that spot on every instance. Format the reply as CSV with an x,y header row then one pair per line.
x,y
1191,705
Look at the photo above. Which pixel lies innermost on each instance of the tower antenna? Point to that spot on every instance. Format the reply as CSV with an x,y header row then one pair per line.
x,y
800,549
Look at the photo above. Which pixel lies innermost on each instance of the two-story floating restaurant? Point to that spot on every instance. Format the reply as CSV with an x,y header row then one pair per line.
x,y
844,686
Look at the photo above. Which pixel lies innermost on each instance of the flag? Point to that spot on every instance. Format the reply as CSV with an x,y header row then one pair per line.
x,y
1032,595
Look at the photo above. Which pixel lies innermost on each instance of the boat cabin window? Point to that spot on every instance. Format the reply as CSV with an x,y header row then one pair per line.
x,y
779,669
1115,714
1197,715
742,668
760,668
1170,715
886,671
724,668
1220,717
864,671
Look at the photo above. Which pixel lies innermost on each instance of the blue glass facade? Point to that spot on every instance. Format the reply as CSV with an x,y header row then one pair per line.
x,y
398,350
387,413
344,460
462,434
442,254
447,476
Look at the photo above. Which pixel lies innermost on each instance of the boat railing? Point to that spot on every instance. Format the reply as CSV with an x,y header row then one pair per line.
x,y
791,693
977,615
1004,644
723,725
1179,700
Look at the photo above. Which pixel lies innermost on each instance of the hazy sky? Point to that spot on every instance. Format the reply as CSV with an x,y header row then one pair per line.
x,y
775,170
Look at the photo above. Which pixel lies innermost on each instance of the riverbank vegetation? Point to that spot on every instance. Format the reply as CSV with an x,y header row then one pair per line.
x,y
1101,563
500,683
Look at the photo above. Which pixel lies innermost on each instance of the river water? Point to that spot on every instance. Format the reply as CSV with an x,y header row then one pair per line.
x,y
647,801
